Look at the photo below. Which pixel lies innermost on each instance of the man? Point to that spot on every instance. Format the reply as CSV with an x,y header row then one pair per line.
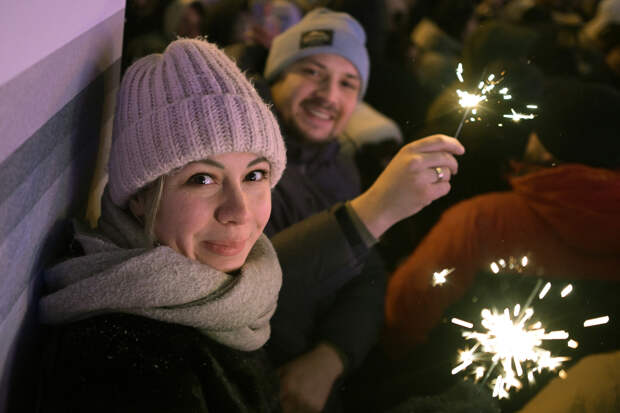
x,y
562,213
317,73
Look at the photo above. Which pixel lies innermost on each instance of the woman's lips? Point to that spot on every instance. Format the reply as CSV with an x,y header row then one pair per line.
x,y
225,248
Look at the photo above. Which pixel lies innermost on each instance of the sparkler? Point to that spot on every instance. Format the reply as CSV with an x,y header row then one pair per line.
x,y
470,101
512,342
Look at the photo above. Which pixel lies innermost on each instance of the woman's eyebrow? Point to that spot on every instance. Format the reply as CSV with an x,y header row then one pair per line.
x,y
212,163
258,160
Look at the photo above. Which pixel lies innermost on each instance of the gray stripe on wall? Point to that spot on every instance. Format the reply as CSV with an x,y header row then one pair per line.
x,y
77,123
34,96
56,163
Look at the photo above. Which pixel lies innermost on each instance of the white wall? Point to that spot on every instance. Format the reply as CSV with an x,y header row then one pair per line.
x,y
59,72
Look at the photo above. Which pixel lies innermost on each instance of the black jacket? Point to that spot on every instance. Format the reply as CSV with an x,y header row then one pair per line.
x,y
126,363
345,310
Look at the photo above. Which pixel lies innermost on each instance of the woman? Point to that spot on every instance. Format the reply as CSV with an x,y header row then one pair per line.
x,y
172,297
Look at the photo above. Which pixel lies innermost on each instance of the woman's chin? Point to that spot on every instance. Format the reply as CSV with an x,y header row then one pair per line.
x,y
224,264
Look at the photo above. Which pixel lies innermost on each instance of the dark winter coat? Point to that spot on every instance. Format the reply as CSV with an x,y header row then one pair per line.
x,y
127,363
345,310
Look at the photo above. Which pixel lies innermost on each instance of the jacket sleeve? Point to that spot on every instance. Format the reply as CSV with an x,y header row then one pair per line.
x,y
354,318
318,255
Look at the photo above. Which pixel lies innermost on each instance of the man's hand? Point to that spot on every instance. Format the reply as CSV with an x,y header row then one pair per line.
x,y
306,382
417,175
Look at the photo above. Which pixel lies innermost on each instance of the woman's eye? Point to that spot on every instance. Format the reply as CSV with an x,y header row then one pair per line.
x,y
257,175
200,179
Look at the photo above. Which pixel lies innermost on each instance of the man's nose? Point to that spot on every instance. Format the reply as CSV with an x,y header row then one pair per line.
x,y
328,90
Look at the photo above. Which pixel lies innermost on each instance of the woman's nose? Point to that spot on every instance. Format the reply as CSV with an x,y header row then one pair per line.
x,y
234,207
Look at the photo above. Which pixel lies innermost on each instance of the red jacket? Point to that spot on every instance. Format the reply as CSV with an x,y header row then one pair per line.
x,y
566,219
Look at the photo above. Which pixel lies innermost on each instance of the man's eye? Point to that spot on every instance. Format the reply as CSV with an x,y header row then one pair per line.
x,y
310,71
258,175
200,179
349,85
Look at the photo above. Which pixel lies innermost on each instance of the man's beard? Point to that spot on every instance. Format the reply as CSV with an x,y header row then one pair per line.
x,y
291,131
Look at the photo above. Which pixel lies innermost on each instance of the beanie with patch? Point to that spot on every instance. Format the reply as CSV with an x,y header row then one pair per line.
x,y
320,31
187,104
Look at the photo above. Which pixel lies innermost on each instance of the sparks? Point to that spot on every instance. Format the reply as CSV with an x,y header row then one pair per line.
x,y
524,261
469,100
494,268
596,321
459,72
510,345
532,106
567,290
461,323
544,291
439,278
516,117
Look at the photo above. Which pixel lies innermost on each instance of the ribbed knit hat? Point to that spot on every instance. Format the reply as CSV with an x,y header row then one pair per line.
x,y
185,105
320,31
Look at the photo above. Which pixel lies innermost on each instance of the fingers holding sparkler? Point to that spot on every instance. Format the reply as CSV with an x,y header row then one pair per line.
x,y
417,175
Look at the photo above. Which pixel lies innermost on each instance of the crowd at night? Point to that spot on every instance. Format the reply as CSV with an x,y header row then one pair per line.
x,y
344,206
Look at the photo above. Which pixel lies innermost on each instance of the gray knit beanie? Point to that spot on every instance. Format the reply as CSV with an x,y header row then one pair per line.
x,y
320,31
185,105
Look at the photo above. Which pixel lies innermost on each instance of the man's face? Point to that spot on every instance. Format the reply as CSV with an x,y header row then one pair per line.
x,y
316,95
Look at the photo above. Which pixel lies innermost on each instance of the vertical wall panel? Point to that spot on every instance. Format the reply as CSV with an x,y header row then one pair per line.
x,y
58,77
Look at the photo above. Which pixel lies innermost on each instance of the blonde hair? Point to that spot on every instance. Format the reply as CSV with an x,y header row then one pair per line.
x,y
151,196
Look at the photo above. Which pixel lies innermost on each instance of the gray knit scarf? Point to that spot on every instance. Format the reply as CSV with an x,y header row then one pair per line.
x,y
120,273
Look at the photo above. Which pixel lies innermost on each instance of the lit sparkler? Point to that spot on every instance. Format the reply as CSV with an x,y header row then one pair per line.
x,y
511,343
471,100
439,278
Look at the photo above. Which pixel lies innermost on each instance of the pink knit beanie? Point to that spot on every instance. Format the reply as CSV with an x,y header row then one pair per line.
x,y
185,105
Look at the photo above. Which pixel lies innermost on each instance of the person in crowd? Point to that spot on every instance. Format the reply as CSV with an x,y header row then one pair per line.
x,y
170,299
179,18
438,42
317,73
165,306
561,213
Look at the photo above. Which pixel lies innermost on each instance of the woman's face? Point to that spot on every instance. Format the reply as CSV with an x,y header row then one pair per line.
x,y
213,211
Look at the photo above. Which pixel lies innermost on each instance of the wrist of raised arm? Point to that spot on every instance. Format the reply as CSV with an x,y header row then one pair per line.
x,y
371,213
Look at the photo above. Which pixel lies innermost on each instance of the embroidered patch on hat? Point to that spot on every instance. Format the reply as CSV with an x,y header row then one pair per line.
x,y
314,38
